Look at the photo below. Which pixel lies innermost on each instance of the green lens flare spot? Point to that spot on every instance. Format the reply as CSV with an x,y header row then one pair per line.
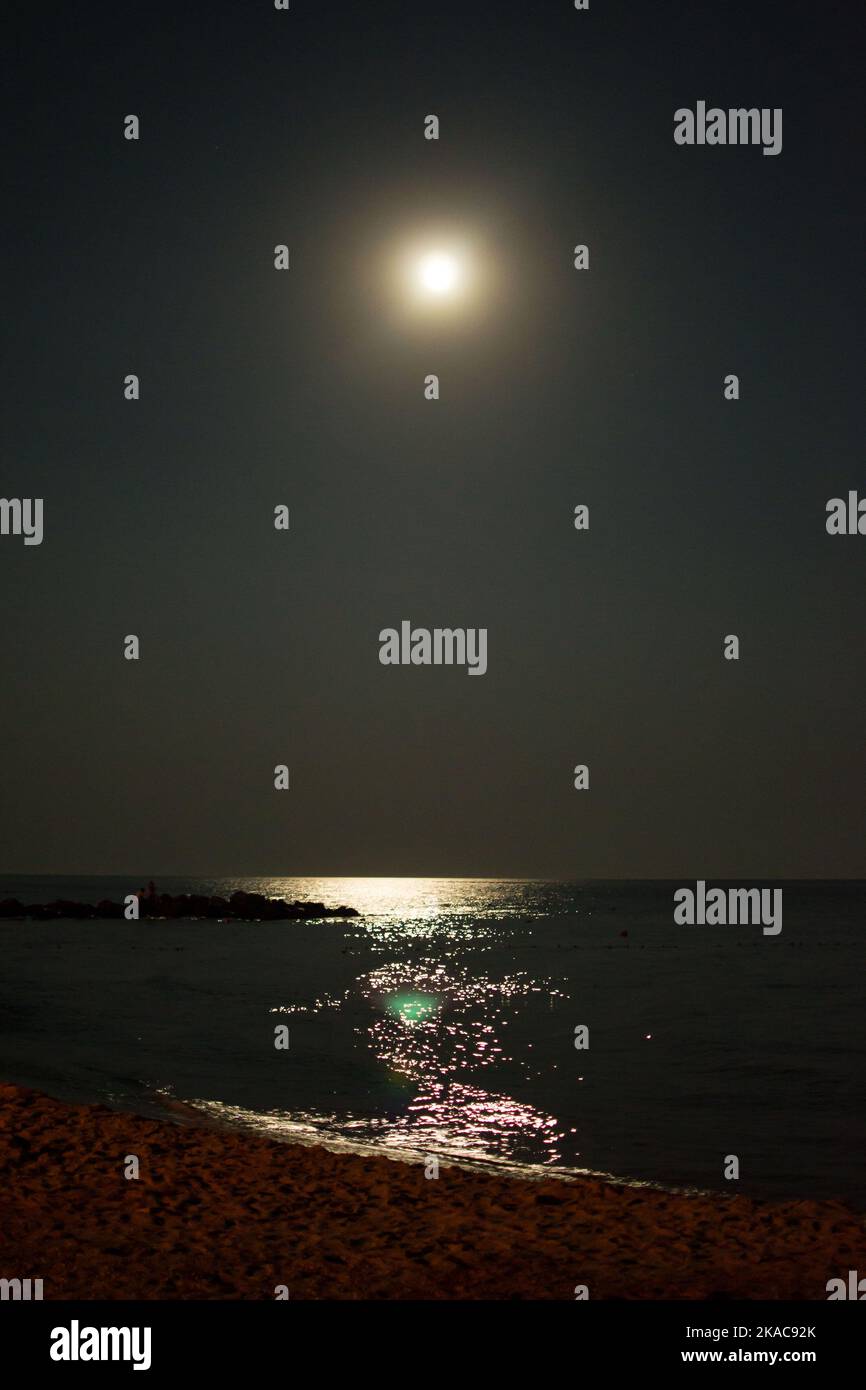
x,y
412,1008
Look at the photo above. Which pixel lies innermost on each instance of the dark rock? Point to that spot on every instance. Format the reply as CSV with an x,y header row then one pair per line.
x,y
241,907
106,908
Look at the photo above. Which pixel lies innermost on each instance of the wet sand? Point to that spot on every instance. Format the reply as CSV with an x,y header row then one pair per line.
x,y
224,1215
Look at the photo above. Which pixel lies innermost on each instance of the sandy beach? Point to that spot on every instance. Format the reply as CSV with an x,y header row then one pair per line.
x,y
224,1215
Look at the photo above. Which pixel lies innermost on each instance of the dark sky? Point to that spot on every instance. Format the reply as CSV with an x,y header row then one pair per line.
x,y
259,387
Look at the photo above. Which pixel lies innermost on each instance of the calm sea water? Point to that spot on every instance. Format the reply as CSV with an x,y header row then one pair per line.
x,y
443,1021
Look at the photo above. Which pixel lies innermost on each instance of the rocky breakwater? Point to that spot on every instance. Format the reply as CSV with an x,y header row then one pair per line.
x,y
240,907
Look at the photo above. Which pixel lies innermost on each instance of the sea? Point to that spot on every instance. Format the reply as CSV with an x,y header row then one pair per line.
x,y
533,1027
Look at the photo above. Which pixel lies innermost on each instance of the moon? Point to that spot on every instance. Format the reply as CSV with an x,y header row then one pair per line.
x,y
439,273
442,277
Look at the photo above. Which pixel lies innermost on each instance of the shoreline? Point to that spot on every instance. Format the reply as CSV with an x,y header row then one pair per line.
x,y
187,1112
163,1105
221,1213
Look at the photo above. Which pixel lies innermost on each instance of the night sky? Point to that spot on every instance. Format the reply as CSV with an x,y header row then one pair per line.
x,y
305,387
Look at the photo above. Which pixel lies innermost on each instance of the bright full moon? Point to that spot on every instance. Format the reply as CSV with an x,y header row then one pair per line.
x,y
439,273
